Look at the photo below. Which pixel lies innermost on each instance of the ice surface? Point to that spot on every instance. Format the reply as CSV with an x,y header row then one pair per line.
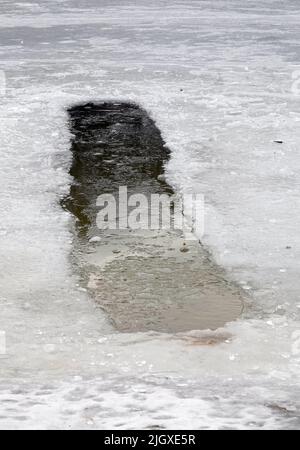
x,y
219,78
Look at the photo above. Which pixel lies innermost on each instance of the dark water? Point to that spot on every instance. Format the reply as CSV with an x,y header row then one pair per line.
x,y
143,279
114,144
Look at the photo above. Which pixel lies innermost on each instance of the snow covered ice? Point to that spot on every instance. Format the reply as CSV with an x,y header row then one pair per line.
x,y
221,80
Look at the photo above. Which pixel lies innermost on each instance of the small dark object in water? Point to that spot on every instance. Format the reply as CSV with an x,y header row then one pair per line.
x,y
184,248
278,142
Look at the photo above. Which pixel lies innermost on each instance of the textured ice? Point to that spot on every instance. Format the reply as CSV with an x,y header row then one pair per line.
x,y
217,76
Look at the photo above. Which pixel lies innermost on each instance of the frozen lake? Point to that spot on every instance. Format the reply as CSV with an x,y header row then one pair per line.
x,y
221,80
